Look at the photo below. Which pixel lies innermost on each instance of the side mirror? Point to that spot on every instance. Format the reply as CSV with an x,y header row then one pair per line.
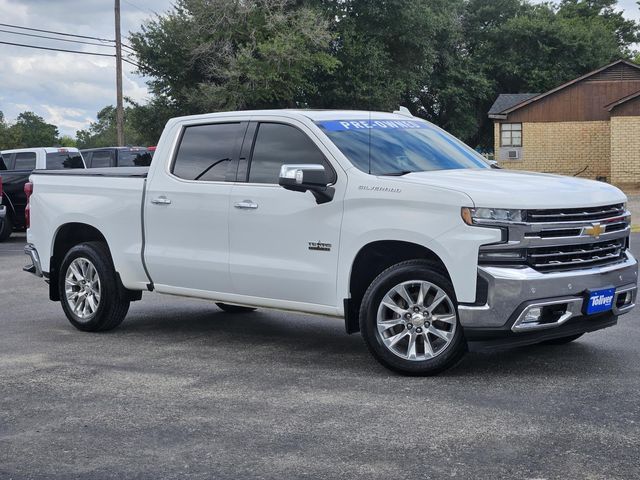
x,y
309,177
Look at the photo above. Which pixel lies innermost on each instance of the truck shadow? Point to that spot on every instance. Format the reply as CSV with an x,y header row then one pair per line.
x,y
296,339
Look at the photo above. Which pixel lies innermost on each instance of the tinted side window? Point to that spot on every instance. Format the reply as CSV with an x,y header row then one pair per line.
x,y
134,158
206,151
3,166
8,160
25,161
101,159
61,160
277,144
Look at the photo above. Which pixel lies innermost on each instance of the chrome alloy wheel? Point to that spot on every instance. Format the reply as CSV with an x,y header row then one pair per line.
x,y
82,288
416,320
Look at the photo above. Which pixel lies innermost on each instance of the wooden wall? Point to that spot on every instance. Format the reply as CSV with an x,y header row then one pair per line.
x,y
582,101
628,109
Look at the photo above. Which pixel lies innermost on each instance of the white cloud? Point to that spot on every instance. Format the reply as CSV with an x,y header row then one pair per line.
x,y
66,89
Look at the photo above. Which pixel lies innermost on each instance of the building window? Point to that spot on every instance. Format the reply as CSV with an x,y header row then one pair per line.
x,y
511,134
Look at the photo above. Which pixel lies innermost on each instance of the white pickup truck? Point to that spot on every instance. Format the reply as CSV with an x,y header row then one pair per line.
x,y
381,219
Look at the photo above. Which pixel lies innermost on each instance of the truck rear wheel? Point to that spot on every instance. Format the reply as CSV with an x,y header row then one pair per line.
x,y
409,319
6,230
90,292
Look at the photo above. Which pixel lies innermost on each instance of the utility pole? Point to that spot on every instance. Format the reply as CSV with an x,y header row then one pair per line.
x,y
119,106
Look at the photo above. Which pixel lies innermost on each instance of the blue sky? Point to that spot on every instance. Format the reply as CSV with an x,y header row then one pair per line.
x,y
68,89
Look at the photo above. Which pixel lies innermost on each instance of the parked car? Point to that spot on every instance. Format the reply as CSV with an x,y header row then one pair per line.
x,y
117,157
382,219
15,168
3,209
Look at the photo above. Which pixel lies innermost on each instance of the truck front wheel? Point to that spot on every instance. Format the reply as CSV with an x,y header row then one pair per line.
x,y
90,291
409,319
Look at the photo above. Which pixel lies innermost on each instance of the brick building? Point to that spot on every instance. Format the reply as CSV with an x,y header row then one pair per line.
x,y
589,127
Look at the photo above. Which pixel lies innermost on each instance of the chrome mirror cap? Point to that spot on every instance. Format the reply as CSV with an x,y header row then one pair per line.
x,y
297,173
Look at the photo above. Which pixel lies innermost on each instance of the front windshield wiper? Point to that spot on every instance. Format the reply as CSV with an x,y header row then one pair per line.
x,y
396,174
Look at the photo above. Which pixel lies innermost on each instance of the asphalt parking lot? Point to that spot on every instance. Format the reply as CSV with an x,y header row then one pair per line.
x,y
183,390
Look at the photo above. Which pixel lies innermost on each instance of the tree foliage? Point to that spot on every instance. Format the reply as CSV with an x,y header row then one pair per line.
x,y
102,132
29,130
446,60
227,54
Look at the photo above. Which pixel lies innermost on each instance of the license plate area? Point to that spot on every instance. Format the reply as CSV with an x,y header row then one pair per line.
x,y
598,301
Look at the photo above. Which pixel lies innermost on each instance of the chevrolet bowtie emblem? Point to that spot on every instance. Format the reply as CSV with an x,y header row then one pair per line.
x,y
595,230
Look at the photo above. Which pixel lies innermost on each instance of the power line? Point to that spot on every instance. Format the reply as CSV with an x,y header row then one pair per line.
x,y
57,33
54,38
58,49
139,8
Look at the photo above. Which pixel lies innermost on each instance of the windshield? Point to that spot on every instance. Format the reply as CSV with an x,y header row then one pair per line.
x,y
396,147
64,159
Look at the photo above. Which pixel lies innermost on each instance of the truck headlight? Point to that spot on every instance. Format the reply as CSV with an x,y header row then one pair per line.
x,y
475,216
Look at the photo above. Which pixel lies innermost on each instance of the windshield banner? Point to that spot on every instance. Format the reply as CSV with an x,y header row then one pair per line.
x,y
343,125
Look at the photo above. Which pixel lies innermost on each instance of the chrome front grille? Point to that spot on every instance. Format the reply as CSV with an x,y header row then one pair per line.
x,y
564,239
589,214
576,256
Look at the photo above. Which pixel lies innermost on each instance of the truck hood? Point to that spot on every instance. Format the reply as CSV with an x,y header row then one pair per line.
x,y
515,189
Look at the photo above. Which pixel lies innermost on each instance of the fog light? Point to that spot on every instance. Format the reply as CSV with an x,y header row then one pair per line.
x,y
533,315
624,299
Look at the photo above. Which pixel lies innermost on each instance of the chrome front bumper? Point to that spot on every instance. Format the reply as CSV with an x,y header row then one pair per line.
x,y
35,267
511,291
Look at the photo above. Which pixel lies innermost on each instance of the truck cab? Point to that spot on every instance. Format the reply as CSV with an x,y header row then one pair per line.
x,y
381,219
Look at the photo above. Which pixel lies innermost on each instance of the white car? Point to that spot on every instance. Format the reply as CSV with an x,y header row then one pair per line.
x,y
382,219
43,158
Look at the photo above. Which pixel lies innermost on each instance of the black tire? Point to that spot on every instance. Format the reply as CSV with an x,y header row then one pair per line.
x,y
112,306
410,270
562,340
6,230
234,308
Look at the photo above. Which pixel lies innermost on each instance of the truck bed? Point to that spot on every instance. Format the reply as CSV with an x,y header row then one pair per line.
x,y
106,199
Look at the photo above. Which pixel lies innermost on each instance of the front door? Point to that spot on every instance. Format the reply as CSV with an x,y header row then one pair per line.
x,y
187,209
283,245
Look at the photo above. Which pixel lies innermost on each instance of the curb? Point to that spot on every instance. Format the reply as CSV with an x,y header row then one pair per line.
x,y
635,228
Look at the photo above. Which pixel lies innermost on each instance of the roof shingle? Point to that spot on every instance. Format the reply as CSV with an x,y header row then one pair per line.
x,y
508,100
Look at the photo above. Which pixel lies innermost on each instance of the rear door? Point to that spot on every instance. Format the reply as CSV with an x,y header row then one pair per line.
x,y
187,208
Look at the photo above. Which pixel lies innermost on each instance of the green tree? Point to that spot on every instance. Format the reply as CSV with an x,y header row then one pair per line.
x,y
67,141
209,55
33,131
102,132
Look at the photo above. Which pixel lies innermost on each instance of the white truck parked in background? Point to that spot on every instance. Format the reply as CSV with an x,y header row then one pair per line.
x,y
383,219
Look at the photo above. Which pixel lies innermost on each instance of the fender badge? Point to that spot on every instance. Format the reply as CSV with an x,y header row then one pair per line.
x,y
323,247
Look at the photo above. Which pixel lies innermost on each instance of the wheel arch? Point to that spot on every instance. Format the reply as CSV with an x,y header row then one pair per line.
x,y
68,236
371,260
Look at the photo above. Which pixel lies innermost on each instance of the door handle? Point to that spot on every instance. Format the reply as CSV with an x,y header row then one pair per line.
x,y
246,204
161,201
